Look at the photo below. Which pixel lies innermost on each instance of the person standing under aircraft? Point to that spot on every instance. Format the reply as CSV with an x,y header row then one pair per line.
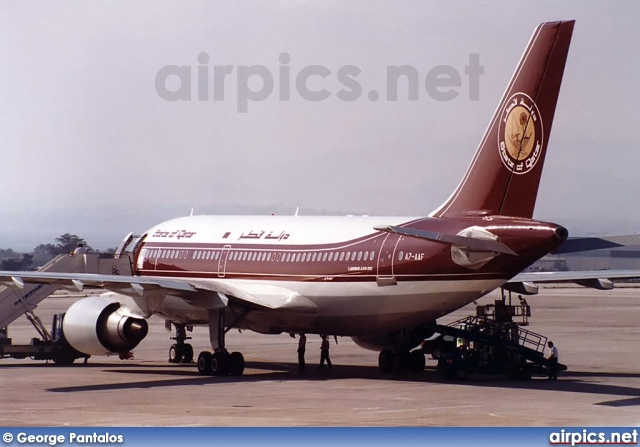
x,y
553,361
324,352
301,348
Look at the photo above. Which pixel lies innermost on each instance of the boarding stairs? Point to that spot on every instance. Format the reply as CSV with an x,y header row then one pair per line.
x,y
18,298
487,332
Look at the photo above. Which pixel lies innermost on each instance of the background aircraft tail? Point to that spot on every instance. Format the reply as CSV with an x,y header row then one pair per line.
x,y
504,175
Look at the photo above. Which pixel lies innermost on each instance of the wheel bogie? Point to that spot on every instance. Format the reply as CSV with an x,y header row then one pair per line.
x,y
401,361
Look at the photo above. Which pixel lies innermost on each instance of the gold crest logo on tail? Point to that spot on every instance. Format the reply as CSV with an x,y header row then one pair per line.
x,y
520,134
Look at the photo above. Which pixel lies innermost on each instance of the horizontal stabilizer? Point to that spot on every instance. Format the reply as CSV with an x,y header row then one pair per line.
x,y
579,244
595,279
475,244
523,288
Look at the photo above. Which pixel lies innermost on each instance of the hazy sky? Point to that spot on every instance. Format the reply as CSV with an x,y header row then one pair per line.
x,y
89,146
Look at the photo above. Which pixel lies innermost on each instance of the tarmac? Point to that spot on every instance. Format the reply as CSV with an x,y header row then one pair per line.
x,y
596,332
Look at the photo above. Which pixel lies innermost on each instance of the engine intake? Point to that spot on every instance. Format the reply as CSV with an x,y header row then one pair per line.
x,y
100,326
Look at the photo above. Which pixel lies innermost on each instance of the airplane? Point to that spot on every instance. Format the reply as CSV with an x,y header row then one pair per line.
x,y
383,281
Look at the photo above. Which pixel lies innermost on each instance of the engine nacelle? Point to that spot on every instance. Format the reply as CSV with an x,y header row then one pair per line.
x,y
100,325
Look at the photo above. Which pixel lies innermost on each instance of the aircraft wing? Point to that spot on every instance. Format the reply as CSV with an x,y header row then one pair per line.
x,y
255,296
525,283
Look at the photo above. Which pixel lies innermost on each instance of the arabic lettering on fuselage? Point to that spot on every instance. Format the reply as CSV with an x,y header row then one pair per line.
x,y
273,235
178,234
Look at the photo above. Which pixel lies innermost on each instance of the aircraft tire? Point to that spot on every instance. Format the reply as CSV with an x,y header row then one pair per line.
x,y
175,353
401,361
385,360
64,358
417,362
187,353
204,363
236,364
219,364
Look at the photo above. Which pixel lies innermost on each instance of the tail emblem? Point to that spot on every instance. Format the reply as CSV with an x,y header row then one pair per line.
x,y
520,134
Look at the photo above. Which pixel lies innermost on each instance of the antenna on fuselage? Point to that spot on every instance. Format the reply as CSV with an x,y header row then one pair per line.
x,y
296,213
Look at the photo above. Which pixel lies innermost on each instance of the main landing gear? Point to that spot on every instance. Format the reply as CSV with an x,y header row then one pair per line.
x,y
180,352
401,360
220,362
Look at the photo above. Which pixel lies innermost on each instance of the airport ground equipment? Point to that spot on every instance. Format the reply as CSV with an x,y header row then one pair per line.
x,y
51,346
491,342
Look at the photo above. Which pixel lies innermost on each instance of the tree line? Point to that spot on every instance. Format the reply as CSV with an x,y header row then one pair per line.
x,y
43,253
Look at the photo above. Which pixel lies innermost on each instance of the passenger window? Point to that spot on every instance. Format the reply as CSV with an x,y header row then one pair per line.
x,y
359,255
341,256
400,256
313,258
330,256
324,256
347,257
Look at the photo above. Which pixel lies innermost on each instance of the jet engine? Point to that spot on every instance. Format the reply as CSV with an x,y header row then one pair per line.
x,y
100,325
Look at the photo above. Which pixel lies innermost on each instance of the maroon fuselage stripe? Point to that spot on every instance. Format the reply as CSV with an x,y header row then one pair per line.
x,y
376,255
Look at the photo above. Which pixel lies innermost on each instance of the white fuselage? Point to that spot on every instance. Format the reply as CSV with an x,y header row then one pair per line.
x,y
361,280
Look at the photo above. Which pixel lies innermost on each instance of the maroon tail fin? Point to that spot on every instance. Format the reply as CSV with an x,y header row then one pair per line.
x,y
504,176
